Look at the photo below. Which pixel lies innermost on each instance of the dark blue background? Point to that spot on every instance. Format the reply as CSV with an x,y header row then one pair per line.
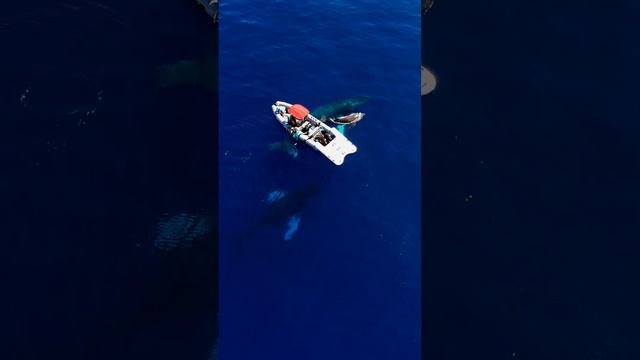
x,y
536,117
82,194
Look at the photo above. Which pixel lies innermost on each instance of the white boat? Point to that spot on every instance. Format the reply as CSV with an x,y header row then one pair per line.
x,y
303,126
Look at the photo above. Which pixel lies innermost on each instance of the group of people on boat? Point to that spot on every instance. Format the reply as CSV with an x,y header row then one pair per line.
x,y
324,137
298,120
293,122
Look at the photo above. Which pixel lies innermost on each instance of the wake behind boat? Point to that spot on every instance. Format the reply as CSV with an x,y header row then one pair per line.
x,y
301,125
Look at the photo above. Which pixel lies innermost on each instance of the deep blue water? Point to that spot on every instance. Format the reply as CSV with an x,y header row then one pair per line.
x,y
536,117
94,158
347,284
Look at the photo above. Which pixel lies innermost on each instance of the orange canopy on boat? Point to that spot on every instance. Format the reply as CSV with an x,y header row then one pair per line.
x,y
298,111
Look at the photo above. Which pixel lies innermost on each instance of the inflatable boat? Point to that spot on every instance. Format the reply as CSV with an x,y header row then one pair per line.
x,y
303,126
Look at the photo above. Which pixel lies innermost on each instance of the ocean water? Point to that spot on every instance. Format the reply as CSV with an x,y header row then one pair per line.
x,y
532,173
319,261
106,182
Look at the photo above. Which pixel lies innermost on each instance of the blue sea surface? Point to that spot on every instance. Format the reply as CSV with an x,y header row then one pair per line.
x,y
342,280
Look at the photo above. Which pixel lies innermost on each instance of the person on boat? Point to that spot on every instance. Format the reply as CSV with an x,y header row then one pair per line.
x,y
298,113
292,121
321,139
324,137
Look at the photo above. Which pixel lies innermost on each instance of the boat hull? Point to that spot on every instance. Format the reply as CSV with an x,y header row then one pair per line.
x,y
335,149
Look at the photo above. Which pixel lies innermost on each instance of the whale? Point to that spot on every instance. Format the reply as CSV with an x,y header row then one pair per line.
x,y
350,119
287,204
282,209
339,108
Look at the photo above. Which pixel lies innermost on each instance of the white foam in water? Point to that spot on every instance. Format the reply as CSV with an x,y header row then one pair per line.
x,y
292,227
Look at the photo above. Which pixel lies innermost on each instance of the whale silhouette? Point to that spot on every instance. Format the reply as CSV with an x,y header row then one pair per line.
x,y
285,146
339,108
283,209
287,205
211,7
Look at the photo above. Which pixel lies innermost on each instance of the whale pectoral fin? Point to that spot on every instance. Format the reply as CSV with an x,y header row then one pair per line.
x,y
292,226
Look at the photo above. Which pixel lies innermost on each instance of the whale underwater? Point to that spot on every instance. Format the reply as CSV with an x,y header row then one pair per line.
x,y
339,108
286,206
283,209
